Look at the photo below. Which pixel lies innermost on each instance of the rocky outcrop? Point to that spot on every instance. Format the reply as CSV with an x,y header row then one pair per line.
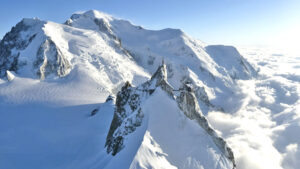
x,y
50,60
159,79
104,27
127,116
11,44
188,103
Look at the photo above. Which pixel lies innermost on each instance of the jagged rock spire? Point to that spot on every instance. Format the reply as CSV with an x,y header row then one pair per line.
x,y
160,74
160,78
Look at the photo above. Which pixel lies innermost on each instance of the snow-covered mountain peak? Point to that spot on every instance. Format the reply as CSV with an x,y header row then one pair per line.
x,y
131,116
97,14
92,15
32,21
93,20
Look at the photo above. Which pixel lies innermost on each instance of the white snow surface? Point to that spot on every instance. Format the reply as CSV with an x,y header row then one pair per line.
x,y
47,124
174,137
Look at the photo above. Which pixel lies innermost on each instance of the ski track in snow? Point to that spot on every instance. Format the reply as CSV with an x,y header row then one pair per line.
x,y
264,132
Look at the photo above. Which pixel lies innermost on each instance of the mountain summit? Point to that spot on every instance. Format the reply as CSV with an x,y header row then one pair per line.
x,y
154,122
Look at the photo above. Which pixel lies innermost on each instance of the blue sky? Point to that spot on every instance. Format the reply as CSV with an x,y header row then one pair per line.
x,y
234,22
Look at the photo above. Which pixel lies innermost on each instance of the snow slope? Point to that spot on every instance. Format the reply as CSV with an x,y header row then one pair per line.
x,y
168,123
55,79
48,124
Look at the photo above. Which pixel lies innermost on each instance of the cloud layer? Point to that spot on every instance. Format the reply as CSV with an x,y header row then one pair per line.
x,y
264,132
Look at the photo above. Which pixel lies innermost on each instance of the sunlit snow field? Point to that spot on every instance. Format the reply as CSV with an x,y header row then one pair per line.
x,y
264,131
262,128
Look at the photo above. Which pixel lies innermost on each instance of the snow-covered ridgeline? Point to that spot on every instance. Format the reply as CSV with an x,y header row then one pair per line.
x,y
130,114
92,55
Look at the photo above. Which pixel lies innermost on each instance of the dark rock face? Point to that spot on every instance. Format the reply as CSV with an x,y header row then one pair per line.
x,y
105,28
13,40
201,95
94,112
128,115
50,60
110,98
159,79
188,103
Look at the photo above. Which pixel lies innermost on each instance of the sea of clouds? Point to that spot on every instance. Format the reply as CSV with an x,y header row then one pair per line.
x,y
265,130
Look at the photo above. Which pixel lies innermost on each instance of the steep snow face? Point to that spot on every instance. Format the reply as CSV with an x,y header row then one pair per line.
x,y
237,66
168,129
97,53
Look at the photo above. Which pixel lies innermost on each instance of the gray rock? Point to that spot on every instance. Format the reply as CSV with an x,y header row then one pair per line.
x,y
127,116
94,112
159,79
51,61
188,103
13,40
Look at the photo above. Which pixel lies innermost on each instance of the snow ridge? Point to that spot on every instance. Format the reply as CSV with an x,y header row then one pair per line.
x,y
129,113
